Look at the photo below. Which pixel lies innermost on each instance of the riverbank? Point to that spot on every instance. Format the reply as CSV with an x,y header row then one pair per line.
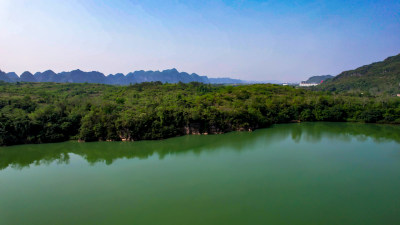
x,y
49,112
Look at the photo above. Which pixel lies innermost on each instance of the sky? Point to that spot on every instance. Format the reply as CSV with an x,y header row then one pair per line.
x,y
252,40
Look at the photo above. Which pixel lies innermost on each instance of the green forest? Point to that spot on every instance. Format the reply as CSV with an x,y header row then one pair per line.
x,y
50,112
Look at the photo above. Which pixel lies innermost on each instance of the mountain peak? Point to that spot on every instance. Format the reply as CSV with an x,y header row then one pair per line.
x,y
48,71
27,77
27,73
173,70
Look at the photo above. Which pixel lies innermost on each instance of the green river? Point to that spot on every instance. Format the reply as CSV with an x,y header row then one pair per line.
x,y
308,173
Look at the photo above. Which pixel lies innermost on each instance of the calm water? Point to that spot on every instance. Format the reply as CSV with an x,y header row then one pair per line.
x,y
310,173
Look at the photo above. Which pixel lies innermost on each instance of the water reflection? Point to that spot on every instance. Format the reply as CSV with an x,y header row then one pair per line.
x,y
26,155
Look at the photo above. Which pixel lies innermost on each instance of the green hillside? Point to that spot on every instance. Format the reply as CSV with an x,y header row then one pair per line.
x,y
375,79
319,79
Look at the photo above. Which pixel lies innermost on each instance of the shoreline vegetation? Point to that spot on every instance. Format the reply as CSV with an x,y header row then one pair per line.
x,y
32,113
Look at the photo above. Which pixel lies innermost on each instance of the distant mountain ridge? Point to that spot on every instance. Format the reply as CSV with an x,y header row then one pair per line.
x,y
78,76
376,78
319,79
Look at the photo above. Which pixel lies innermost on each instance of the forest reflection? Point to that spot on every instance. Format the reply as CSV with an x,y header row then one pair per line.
x,y
107,152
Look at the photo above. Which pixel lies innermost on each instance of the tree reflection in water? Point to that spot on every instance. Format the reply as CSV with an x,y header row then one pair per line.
x,y
25,155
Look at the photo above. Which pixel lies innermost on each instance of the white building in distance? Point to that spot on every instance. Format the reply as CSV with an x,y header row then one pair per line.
x,y
305,84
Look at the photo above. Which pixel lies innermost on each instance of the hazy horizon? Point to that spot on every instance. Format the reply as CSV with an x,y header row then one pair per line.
x,y
248,40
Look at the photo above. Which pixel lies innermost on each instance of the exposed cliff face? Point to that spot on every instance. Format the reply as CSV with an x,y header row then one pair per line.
x,y
190,129
197,129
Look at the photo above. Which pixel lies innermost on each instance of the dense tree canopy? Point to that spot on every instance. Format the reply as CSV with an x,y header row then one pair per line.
x,y
49,112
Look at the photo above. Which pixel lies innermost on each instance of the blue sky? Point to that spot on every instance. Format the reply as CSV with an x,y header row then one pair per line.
x,y
252,40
